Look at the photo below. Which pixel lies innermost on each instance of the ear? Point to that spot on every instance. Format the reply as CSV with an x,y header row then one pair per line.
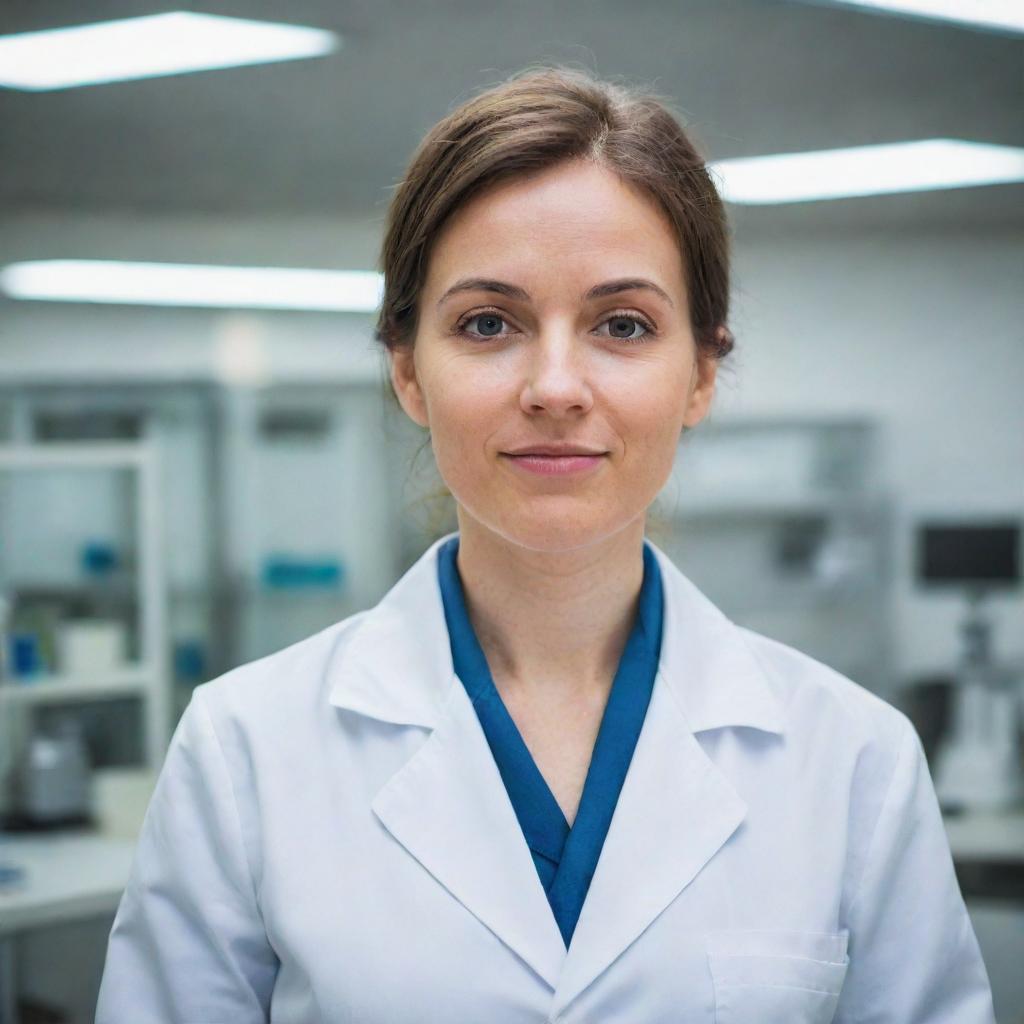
x,y
406,384
702,389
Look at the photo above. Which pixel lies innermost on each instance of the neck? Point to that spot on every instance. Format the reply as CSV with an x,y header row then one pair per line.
x,y
552,625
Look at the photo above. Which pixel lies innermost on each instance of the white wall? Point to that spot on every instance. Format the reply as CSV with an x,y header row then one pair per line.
x,y
924,333
921,332
53,340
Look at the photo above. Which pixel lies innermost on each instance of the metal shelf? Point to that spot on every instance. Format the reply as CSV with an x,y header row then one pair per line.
x,y
81,455
131,681
774,505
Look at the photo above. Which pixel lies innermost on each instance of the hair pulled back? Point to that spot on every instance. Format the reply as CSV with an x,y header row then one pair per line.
x,y
532,121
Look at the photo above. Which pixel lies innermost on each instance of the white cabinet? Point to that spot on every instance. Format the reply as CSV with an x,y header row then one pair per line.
x,y
80,539
783,524
279,509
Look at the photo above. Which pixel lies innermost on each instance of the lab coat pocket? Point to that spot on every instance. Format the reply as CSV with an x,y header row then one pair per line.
x,y
776,977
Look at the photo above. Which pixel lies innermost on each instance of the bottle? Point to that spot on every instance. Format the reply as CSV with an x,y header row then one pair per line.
x,y
6,608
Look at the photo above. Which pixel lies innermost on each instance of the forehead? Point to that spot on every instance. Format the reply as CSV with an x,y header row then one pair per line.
x,y
578,218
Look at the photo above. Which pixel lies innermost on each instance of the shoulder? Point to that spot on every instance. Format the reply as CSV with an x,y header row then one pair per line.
x,y
803,683
857,751
830,713
732,674
270,690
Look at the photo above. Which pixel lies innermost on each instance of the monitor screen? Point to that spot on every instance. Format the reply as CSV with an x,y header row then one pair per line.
x,y
969,553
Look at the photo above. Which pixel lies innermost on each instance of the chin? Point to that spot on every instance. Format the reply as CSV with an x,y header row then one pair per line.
x,y
553,532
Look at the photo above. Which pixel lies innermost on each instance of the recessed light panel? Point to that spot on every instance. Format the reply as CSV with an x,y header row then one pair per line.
x,y
992,15
160,44
867,171
187,284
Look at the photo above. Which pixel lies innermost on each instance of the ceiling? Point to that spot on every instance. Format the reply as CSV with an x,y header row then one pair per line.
x,y
331,136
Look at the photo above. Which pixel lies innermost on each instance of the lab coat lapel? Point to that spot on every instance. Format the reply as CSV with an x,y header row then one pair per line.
x,y
447,805
449,808
676,808
674,812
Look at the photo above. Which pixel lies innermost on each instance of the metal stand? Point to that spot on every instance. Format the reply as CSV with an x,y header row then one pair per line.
x,y
8,1006
979,760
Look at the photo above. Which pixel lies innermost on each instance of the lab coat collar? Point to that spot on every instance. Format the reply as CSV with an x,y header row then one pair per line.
x,y
448,806
397,664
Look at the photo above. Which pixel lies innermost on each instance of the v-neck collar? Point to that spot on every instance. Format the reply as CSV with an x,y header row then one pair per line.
x,y
447,807
565,857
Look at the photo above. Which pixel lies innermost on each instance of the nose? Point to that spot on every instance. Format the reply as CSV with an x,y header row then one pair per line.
x,y
556,375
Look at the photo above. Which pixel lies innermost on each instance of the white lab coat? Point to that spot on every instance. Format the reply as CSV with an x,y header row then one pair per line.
x,y
330,841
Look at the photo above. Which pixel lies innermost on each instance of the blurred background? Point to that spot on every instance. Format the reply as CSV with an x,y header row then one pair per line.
x,y
199,467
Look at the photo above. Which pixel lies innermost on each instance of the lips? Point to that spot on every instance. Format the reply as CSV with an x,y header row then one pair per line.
x,y
554,451
563,464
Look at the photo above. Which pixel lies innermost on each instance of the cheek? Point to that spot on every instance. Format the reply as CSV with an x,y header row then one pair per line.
x,y
654,441
650,426
651,415
462,418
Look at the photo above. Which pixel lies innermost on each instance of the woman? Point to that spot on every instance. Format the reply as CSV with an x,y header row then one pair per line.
x,y
545,779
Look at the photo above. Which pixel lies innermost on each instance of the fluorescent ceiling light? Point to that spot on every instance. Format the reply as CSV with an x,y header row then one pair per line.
x,y
994,15
160,44
867,171
188,284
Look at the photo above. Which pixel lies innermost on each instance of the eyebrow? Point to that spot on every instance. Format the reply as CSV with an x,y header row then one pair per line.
x,y
599,291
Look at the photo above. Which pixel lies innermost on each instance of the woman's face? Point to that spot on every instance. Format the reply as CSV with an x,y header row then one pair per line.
x,y
540,358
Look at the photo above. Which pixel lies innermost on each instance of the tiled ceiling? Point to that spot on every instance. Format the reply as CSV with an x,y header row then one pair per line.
x,y
331,136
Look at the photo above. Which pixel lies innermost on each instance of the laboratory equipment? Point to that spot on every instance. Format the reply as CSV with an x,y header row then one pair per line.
x,y
92,646
55,778
977,762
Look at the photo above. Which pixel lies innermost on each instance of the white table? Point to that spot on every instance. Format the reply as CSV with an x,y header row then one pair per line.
x,y
80,874
68,876
987,836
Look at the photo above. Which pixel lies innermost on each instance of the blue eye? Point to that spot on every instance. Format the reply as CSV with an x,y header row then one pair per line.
x,y
630,318
487,316
494,319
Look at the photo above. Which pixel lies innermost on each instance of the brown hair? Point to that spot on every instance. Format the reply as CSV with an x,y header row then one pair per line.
x,y
537,118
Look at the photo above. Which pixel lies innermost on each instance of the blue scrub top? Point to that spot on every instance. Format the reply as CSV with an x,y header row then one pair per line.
x,y
565,858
